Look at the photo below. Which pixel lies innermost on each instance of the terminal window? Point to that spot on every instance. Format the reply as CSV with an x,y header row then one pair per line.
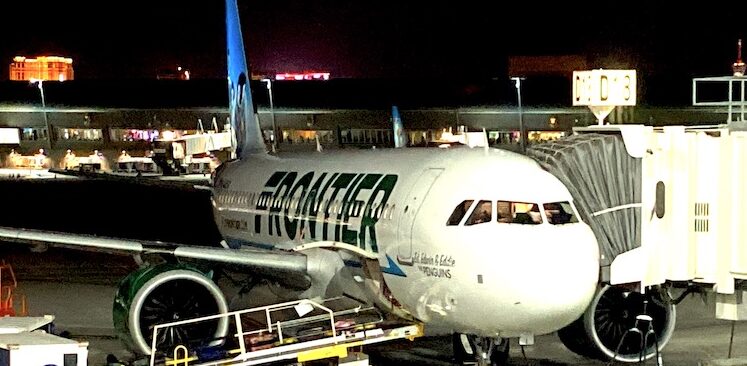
x,y
80,134
33,134
128,134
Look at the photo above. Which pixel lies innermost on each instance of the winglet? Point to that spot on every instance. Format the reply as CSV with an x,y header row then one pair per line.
x,y
400,137
247,135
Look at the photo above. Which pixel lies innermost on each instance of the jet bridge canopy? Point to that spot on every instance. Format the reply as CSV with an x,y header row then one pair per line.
x,y
604,181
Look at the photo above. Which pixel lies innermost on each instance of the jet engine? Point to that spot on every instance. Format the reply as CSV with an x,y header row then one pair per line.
x,y
618,321
167,293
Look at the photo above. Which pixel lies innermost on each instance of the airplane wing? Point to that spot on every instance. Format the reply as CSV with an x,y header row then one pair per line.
x,y
201,182
261,260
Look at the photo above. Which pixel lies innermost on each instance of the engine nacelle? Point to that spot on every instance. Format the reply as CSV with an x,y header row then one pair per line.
x,y
167,293
612,314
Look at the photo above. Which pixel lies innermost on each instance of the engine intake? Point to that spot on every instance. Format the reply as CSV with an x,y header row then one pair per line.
x,y
604,330
167,293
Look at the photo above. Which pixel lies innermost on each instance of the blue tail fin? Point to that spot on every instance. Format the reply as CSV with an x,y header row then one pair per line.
x,y
247,134
400,137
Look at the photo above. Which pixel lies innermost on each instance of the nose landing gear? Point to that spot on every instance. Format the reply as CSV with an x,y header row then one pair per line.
x,y
480,351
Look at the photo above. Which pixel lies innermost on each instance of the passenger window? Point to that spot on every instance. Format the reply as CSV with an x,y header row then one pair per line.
x,y
333,207
483,213
459,211
559,213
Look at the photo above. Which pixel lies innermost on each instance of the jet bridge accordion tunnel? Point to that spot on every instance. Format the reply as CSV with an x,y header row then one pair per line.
x,y
605,182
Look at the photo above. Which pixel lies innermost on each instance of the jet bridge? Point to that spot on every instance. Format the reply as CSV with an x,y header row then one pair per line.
x,y
668,205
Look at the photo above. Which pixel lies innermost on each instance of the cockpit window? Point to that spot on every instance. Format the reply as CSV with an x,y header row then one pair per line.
x,y
459,211
519,213
483,213
559,213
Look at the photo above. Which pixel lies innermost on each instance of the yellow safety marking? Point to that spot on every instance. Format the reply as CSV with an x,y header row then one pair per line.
x,y
180,360
340,351
419,332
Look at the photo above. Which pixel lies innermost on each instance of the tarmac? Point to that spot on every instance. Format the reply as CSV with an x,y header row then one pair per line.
x,y
78,288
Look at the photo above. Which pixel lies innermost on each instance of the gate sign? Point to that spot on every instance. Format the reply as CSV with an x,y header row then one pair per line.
x,y
604,87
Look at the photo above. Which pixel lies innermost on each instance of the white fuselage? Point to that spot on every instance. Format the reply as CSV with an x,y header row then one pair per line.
x,y
489,279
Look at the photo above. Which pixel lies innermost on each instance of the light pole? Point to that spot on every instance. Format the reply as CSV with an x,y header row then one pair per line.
x,y
40,84
272,115
523,137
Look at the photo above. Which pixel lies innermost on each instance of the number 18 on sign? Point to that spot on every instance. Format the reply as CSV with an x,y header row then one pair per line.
x,y
603,90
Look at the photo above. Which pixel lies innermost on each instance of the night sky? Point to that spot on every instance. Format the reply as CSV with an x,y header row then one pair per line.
x,y
372,39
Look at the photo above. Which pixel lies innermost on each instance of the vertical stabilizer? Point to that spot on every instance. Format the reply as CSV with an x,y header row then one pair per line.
x,y
247,136
400,137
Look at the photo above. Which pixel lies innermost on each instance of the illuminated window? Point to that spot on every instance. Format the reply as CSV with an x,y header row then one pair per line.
x,y
519,213
559,213
391,212
482,213
127,134
459,211
80,134
33,134
385,213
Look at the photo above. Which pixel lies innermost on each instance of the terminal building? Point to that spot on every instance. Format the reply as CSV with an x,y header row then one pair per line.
x,y
42,68
115,115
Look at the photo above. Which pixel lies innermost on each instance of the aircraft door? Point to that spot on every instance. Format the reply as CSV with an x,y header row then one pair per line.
x,y
412,206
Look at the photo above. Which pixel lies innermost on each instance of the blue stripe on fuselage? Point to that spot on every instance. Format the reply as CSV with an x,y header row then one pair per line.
x,y
392,268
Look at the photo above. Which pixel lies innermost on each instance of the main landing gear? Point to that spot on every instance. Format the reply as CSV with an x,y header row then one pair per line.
x,y
481,351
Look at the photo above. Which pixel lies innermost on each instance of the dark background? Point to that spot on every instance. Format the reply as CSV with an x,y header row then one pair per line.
x,y
110,208
374,39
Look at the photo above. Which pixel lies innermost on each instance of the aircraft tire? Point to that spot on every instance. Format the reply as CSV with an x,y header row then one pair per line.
x,y
498,356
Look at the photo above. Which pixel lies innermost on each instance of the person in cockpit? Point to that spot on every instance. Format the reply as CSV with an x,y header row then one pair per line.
x,y
482,213
531,216
534,213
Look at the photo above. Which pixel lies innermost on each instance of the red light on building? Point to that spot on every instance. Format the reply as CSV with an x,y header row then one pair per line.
x,y
302,76
41,68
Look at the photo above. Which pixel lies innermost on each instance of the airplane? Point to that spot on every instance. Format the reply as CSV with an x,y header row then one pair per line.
x,y
457,239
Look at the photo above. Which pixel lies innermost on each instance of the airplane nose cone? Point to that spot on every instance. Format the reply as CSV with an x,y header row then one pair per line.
x,y
562,277
538,284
